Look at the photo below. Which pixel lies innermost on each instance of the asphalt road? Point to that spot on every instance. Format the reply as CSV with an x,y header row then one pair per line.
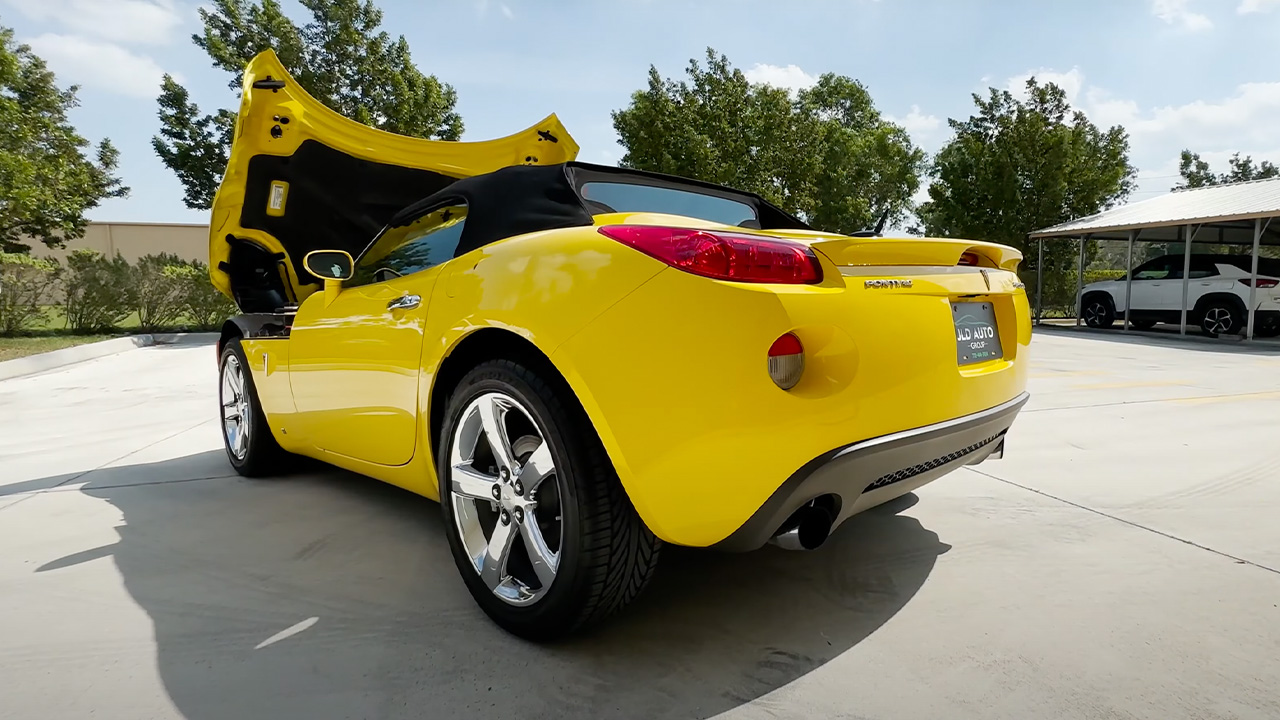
x,y
1122,561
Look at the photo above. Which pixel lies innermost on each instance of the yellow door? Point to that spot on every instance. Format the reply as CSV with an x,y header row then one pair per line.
x,y
355,363
354,369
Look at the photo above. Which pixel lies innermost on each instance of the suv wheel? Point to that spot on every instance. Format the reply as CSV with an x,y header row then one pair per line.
x,y
1220,318
1098,312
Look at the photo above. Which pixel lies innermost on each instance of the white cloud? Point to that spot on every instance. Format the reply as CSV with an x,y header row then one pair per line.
x,y
1256,6
1240,121
1179,13
483,7
98,65
917,123
1071,82
790,77
122,21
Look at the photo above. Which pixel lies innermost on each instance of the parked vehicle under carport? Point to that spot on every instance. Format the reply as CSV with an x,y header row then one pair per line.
x,y
1218,295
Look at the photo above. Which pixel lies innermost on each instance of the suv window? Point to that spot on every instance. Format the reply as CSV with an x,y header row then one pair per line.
x,y
1202,267
1158,269
608,197
424,243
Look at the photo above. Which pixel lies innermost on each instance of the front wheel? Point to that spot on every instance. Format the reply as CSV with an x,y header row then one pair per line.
x,y
1220,318
1098,312
540,528
250,447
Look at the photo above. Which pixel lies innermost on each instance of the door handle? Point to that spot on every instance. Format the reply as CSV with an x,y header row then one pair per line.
x,y
405,302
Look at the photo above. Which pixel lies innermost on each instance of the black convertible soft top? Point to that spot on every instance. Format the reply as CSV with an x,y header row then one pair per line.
x,y
529,198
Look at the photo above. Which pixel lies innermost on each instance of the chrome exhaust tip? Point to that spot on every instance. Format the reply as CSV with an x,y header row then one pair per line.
x,y
807,529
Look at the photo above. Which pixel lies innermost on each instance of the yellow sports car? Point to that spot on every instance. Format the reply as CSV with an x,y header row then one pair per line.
x,y
584,362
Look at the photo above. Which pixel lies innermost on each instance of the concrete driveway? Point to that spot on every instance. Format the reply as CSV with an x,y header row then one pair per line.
x,y
1121,562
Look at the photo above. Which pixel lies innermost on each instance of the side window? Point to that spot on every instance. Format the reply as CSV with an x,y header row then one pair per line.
x,y
1202,268
1157,269
424,243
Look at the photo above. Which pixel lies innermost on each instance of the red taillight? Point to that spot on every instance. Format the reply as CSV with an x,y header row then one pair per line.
x,y
786,361
968,259
721,255
1262,282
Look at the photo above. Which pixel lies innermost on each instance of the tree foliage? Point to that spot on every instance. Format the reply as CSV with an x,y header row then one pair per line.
x,y
825,154
26,284
98,290
1018,165
46,181
1195,172
341,57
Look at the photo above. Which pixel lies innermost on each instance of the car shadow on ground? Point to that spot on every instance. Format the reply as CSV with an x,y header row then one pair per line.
x,y
328,595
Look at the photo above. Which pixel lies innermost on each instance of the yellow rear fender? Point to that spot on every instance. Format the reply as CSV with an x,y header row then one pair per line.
x,y
542,288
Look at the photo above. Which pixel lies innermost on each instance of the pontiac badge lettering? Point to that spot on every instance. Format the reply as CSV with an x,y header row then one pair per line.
x,y
878,284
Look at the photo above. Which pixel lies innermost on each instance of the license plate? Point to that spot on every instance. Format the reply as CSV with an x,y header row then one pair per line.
x,y
977,339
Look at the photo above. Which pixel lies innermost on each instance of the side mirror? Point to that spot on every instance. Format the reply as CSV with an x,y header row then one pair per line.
x,y
329,265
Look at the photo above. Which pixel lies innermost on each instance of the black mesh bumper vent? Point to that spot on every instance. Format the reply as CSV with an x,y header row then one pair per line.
x,y
925,467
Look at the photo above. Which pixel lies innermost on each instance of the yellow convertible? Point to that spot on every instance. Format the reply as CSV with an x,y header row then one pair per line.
x,y
584,362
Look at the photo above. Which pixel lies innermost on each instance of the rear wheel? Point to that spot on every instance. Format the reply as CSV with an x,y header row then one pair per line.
x,y
1220,318
247,438
540,528
1098,311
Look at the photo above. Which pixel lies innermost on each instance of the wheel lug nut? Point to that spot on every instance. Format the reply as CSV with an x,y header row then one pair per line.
x,y
497,493
519,488
505,474
519,515
506,518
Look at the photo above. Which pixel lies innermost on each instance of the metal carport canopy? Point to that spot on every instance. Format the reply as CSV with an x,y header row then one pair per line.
x,y
1233,214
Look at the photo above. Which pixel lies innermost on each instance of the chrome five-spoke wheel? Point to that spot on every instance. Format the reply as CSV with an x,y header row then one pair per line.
x,y
539,525
236,413
251,448
506,498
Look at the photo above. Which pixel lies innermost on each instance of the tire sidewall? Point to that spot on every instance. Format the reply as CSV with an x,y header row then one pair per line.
x,y
557,606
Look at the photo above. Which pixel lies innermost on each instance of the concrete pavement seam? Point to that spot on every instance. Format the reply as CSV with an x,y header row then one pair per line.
x,y
79,475
1130,523
1149,401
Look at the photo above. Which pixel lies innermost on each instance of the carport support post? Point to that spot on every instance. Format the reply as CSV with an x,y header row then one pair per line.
x,y
1186,279
1080,281
1040,283
1128,279
1253,286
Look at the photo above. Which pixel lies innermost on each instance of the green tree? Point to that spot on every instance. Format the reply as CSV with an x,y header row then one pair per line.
x,y
1018,165
341,57
826,154
46,181
1196,173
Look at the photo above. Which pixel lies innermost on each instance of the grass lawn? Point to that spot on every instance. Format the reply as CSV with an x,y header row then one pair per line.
x,y
16,347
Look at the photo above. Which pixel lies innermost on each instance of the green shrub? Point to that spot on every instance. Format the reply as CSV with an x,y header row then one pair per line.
x,y
157,295
202,304
25,284
98,292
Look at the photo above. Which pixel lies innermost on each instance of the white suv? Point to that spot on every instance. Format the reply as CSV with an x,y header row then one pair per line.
x,y
1218,295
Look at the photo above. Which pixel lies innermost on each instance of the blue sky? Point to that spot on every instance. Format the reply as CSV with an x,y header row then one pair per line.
x,y
1202,74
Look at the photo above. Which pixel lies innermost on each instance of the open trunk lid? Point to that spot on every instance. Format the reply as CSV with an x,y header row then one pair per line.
x,y
301,177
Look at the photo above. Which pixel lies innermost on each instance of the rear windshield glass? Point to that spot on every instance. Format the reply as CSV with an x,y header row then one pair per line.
x,y
607,197
1266,266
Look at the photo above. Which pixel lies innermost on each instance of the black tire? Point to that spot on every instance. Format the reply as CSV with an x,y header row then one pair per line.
x,y
1142,324
261,453
1221,317
1268,328
1098,311
606,553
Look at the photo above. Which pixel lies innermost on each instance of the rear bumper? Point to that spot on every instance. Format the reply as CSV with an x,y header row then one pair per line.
x,y
868,473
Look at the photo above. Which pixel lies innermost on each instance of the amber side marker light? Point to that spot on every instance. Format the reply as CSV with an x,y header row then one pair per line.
x,y
786,361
